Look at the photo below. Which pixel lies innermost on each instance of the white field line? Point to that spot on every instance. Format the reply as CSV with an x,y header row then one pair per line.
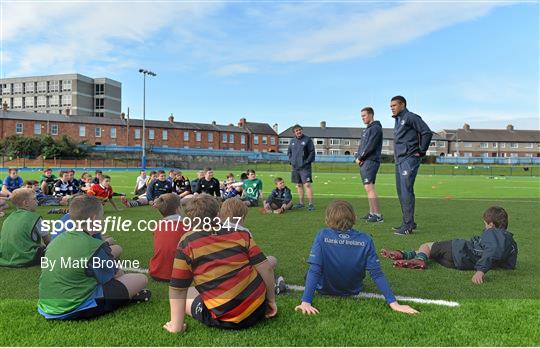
x,y
361,295
438,198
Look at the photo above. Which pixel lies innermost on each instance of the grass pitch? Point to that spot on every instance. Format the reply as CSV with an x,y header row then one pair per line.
x,y
501,312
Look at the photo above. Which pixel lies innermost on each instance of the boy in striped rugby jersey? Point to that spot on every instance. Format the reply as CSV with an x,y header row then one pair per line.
x,y
220,276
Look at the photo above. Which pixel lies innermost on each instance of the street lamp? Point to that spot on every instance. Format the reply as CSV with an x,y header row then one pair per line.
x,y
143,157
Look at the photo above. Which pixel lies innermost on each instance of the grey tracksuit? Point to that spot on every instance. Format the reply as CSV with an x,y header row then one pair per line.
x,y
411,141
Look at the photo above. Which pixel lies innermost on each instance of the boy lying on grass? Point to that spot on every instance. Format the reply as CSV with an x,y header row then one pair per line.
x,y
495,248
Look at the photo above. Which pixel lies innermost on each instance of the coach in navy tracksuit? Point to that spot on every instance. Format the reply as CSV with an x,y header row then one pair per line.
x,y
301,153
411,141
368,157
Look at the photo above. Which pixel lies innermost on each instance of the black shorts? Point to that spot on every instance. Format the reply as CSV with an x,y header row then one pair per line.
x,y
201,313
252,202
115,295
368,171
442,253
277,202
301,176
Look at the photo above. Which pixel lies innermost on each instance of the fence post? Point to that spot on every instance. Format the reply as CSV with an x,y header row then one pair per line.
x,y
511,170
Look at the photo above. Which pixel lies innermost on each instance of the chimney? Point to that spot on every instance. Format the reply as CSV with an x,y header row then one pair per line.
x,y
242,122
323,124
68,112
5,106
275,127
510,128
466,127
214,123
171,118
122,116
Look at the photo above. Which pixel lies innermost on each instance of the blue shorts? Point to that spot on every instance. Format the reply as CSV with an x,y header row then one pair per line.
x,y
301,176
368,171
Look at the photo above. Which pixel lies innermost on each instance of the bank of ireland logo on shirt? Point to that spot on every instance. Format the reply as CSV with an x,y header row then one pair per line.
x,y
405,173
344,236
402,122
303,143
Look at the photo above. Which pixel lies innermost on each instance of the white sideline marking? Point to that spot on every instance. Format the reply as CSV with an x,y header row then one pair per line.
x,y
439,198
362,294
400,298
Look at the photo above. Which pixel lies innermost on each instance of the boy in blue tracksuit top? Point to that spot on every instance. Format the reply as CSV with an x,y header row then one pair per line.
x,y
495,248
368,157
412,137
339,259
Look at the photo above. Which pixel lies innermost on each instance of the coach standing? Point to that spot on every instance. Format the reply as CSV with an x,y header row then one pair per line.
x,y
301,153
412,137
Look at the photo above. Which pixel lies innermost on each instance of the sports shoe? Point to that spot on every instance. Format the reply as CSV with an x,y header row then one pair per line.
x,y
399,227
310,207
392,254
414,264
280,287
367,216
142,296
403,231
375,218
58,211
298,206
125,201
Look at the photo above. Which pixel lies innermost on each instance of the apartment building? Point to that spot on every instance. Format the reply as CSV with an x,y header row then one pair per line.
x,y
68,94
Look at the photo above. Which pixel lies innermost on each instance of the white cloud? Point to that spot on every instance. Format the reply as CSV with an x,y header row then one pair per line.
x,y
234,69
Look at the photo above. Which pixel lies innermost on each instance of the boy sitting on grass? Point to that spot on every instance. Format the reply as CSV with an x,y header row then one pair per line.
x,y
12,182
220,276
339,259
103,191
495,248
44,199
47,181
22,240
155,189
252,189
229,187
280,200
90,288
166,236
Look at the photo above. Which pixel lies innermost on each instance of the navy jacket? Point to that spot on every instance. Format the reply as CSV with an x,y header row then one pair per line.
x,y
157,188
301,152
284,196
495,248
371,143
411,135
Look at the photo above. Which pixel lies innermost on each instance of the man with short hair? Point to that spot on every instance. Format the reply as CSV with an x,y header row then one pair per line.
x,y
301,153
368,159
411,142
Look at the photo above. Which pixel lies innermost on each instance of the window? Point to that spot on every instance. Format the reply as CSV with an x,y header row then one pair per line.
x,y
113,132
224,138
467,154
53,100
467,144
17,88
82,131
485,154
19,128
334,152
529,145
151,134
334,142
503,145
346,142
256,139
17,103
54,129
66,99
165,135
186,136
42,87
494,145
484,146
432,143
514,145
514,155
29,87
54,86
100,89
317,141
320,152
100,103
272,140
283,141
210,137
6,88
198,136
66,85
37,128
98,132
29,102
385,142
99,114
264,140
528,155
231,138
243,139
137,133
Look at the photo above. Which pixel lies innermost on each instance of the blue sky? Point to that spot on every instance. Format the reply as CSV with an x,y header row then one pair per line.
x,y
456,62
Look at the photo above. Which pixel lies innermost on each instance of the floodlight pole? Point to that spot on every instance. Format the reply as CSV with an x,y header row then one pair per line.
x,y
143,156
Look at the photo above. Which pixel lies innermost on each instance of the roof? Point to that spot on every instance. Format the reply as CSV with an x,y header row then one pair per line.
x,y
111,121
335,132
502,135
259,128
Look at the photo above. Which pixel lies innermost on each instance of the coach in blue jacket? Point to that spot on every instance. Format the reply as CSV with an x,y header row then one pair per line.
x,y
412,137
301,153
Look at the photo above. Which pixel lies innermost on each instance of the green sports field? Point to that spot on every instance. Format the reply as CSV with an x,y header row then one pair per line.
x,y
504,311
